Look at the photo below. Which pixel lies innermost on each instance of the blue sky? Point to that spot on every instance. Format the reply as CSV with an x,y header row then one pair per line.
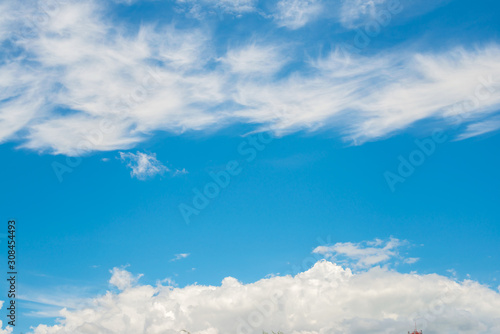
x,y
360,132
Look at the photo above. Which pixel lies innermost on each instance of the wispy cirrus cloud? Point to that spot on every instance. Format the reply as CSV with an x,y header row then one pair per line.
x,y
48,303
254,59
357,12
482,127
295,14
369,98
80,83
200,8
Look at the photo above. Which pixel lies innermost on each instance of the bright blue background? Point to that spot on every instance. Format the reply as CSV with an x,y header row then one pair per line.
x,y
300,188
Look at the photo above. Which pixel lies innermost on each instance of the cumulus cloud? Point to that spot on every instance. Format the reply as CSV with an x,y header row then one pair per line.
x,y
8,329
123,279
143,165
78,83
324,299
294,14
364,254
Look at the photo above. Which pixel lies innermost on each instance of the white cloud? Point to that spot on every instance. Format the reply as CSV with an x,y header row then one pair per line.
x,y
480,128
324,299
180,172
366,98
197,8
9,329
411,260
47,303
143,166
294,14
83,84
123,279
126,2
254,59
363,254
92,86
356,12
352,14
239,6
180,256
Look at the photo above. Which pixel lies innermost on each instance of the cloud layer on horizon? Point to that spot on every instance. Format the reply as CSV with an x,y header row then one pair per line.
x,y
324,299
80,83
320,297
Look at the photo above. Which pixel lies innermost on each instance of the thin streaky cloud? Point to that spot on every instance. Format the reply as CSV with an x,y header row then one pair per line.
x,y
180,256
480,128
364,254
198,8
